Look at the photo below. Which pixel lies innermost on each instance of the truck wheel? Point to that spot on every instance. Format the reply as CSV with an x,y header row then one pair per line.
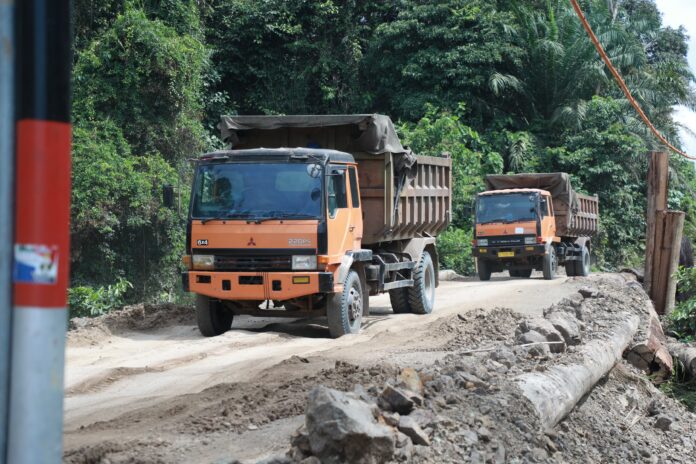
x,y
212,317
524,273
421,297
570,268
344,310
514,273
550,264
399,300
582,267
484,269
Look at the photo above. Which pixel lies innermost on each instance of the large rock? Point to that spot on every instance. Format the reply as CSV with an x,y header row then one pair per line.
x,y
345,429
398,400
567,325
547,330
410,427
411,380
538,346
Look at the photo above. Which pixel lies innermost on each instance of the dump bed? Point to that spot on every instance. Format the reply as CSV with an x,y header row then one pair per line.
x,y
402,195
576,214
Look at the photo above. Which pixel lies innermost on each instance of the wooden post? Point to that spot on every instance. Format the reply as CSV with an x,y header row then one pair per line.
x,y
658,176
669,226
673,232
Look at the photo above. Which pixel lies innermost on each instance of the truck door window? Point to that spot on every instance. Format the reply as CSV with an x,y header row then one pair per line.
x,y
337,191
354,193
544,207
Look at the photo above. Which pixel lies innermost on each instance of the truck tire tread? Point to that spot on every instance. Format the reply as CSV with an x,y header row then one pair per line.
x,y
550,264
337,311
418,299
484,269
212,317
399,301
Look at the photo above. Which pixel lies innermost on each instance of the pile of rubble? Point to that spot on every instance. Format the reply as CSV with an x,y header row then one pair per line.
x,y
470,406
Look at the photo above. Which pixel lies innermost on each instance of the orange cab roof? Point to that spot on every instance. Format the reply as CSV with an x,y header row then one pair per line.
x,y
520,190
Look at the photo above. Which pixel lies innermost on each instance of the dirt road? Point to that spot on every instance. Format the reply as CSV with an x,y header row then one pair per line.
x,y
150,389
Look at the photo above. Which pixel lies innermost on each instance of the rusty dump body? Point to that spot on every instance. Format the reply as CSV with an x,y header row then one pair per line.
x,y
403,195
534,221
316,206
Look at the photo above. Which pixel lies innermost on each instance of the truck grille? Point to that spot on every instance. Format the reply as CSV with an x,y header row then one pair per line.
x,y
253,263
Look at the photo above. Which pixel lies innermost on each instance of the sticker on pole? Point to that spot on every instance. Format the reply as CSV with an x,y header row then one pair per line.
x,y
35,264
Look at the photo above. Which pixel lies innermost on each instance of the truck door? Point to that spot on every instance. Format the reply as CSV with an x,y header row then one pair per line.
x,y
339,217
548,224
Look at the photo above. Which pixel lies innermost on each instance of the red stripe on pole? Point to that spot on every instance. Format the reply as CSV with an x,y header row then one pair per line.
x,y
42,214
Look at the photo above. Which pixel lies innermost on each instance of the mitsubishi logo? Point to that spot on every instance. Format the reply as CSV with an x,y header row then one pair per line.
x,y
251,242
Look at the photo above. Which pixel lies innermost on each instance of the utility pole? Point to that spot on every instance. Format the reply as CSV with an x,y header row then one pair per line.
x,y
41,230
7,56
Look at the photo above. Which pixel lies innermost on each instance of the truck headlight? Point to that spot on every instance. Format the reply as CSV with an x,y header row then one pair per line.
x,y
203,262
482,242
304,262
530,240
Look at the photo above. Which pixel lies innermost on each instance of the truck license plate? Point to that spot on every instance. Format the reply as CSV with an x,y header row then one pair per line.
x,y
506,254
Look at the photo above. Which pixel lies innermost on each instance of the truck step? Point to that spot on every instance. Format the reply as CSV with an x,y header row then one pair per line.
x,y
399,266
398,284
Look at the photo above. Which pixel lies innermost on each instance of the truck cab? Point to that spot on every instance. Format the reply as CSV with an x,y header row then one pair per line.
x,y
310,231
520,230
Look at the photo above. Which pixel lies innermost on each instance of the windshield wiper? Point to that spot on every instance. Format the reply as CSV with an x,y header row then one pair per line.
x,y
278,215
226,216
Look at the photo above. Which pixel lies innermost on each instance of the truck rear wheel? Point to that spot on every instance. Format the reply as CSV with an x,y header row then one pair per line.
x,y
550,264
484,269
421,297
582,267
212,317
399,300
344,310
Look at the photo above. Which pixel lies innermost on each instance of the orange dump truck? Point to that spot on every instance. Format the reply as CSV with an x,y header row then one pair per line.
x,y
308,216
533,221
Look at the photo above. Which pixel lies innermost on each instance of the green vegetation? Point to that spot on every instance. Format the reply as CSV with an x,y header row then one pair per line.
x,y
682,319
88,301
502,85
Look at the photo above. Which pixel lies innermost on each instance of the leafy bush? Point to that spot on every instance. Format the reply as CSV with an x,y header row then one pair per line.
x,y
92,302
454,247
682,319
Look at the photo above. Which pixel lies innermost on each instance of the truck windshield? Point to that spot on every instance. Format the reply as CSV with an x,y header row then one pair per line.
x,y
257,191
511,207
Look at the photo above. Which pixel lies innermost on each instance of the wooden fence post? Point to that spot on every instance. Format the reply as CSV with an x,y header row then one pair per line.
x,y
658,177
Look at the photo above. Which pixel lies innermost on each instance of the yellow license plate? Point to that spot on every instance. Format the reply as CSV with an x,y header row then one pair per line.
x,y
506,254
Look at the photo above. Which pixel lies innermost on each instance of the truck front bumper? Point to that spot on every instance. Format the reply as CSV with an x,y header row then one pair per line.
x,y
257,285
509,252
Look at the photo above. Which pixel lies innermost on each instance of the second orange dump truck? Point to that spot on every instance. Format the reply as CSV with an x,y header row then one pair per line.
x,y
527,222
309,216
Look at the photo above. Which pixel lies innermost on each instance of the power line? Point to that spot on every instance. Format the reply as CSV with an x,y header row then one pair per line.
x,y
622,84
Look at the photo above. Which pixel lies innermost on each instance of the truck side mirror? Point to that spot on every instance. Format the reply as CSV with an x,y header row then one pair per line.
x,y
168,195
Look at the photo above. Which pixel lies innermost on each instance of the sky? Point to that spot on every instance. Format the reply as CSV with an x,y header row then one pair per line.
x,y
677,13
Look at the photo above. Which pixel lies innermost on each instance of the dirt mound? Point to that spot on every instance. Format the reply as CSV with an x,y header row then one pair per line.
x,y
478,328
141,317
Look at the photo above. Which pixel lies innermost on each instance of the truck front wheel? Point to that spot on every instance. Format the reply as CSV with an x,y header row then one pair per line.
x,y
421,297
484,269
550,264
212,317
344,310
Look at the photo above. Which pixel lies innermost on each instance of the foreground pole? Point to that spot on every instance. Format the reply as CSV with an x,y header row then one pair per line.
x,y
658,179
42,236
6,200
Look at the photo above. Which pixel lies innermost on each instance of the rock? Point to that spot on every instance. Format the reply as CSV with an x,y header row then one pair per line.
x,y
663,422
540,350
484,434
397,400
343,428
546,329
410,427
500,454
391,418
252,427
311,460
410,380
567,325
424,418
588,292
475,457
470,437
404,447
363,394
505,356
276,460
300,440
448,275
